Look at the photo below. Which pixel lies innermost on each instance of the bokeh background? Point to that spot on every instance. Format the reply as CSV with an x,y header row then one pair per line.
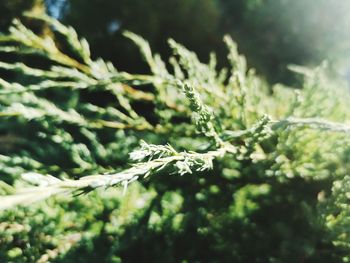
x,y
270,33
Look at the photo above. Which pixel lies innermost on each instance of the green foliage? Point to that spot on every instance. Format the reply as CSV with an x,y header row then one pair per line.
x,y
213,166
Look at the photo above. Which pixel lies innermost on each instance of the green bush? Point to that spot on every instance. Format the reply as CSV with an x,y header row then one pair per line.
x,y
213,166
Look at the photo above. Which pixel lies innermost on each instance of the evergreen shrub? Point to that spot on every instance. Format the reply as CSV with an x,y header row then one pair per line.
x,y
186,164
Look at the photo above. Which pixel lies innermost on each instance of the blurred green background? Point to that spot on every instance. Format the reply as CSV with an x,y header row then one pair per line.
x,y
270,33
